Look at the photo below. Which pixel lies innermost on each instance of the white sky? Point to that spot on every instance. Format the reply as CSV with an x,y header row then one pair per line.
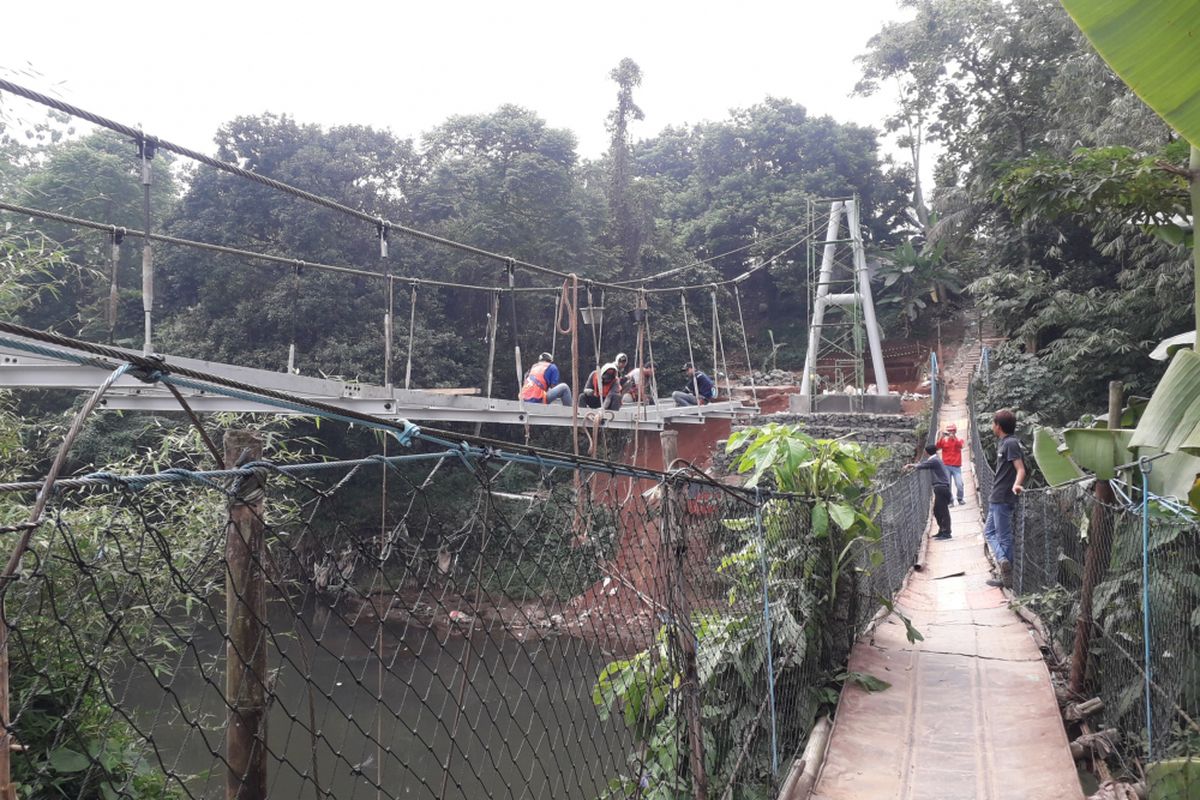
x,y
182,69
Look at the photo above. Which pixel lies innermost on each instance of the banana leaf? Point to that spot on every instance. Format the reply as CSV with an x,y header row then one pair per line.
x,y
1100,450
1056,467
1152,46
1171,420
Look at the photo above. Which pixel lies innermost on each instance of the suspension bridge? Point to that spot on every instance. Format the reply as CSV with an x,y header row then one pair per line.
x,y
622,633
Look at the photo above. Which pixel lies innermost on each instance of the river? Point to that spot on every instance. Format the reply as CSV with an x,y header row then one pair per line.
x,y
528,727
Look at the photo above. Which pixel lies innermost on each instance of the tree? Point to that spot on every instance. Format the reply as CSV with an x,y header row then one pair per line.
x,y
628,234
226,309
738,190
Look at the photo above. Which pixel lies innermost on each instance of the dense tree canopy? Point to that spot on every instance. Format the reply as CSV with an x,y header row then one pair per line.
x,y
1049,188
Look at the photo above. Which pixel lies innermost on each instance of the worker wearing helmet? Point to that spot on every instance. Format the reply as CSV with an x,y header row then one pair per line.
x,y
952,446
542,384
603,388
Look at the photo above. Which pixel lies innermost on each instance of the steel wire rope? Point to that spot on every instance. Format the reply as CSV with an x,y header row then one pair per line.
x,y
158,369
412,324
701,262
157,143
746,345
687,329
250,254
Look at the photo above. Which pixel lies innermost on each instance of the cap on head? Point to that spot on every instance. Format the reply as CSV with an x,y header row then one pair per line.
x,y
952,428
686,367
621,358
546,357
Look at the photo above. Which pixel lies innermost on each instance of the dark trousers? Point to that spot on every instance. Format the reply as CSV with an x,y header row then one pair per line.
x,y
941,508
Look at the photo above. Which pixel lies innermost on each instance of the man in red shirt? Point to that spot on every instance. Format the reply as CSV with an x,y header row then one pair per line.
x,y
951,447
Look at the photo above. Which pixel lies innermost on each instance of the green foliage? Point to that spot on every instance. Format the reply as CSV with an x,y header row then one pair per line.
x,y
914,279
1152,49
804,549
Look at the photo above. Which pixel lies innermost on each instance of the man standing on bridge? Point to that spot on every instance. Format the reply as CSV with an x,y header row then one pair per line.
x,y
1009,484
941,489
542,384
951,447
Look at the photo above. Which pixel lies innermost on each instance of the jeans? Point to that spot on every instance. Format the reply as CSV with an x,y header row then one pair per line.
x,y
998,531
560,392
956,476
941,508
554,394
612,402
684,399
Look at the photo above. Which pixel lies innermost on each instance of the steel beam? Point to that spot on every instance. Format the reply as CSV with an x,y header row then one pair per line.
x,y
19,370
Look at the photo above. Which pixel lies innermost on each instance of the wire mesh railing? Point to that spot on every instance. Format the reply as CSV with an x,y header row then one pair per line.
x,y
475,629
1143,643
471,627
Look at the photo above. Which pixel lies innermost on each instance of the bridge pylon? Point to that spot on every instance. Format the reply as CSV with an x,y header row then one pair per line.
x,y
842,327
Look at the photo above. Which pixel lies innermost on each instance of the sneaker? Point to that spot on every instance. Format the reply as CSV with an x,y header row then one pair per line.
x,y
942,536
997,582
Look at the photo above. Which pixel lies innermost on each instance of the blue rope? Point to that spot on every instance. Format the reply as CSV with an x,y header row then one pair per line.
x,y
1146,467
762,536
211,478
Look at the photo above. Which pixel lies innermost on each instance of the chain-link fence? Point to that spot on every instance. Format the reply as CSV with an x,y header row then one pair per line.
x,y
1142,647
464,626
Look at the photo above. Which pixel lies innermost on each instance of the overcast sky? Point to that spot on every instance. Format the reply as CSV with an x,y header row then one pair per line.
x,y
181,69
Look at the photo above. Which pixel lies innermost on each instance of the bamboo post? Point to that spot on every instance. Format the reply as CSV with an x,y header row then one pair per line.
x,y
246,641
1095,560
682,638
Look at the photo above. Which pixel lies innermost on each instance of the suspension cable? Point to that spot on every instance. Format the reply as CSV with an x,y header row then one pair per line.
x,y
152,143
687,329
412,325
745,343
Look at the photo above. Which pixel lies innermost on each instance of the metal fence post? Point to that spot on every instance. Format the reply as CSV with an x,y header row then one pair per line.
x,y
762,538
1146,467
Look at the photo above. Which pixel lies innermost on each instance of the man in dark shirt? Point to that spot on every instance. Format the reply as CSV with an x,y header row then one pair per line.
x,y
697,381
941,489
1009,483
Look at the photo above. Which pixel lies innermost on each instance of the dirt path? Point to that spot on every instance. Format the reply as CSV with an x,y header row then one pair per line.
x,y
971,714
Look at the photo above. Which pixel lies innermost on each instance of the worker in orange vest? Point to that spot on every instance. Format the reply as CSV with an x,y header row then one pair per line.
x,y
603,388
542,384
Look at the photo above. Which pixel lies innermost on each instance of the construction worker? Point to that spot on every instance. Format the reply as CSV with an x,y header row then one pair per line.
x,y
542,384
696,381
636,385
622,362
603,388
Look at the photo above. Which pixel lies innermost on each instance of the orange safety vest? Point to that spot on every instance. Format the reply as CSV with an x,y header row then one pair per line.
x,y
536,386
601,389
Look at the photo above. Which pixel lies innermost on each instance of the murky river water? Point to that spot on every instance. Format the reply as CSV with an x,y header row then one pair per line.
x,y
528,727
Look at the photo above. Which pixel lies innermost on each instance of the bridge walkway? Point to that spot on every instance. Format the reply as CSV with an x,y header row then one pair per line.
x,y
971,713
